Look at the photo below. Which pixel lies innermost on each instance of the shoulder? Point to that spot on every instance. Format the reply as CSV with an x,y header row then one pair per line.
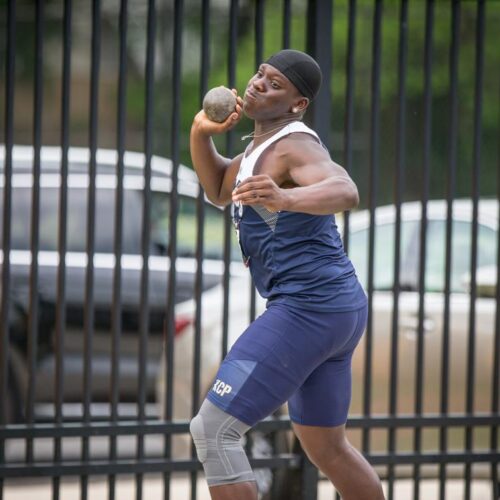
x,y
299,139
299,147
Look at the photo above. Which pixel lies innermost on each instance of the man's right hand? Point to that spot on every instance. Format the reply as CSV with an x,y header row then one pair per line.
x,y
203,125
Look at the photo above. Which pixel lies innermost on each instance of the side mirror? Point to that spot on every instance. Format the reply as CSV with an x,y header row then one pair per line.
x,y
486,281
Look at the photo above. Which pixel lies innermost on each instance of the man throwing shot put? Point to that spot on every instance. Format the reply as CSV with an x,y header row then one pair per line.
x,y
285,190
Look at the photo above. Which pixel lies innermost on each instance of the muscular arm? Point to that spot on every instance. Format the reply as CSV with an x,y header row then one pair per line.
x,y
320,185
322,189
215,172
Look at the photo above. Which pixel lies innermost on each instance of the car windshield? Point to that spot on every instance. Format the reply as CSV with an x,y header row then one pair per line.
x,y
384,254
105,222
435,268
461,254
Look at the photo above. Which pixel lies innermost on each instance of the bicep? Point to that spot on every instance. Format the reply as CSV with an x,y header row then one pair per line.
x,y
312,164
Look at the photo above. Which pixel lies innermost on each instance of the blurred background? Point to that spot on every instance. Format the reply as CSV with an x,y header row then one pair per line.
x,y
245,66
99,379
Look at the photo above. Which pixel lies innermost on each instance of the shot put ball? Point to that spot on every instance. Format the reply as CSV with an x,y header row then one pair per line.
x,y
219,103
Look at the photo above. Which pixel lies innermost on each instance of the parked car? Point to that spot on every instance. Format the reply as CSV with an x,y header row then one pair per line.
x,y
383,284
104,264
385,218
434,303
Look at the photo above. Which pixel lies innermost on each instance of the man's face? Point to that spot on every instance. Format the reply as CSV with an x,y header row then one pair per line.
x,y
269,94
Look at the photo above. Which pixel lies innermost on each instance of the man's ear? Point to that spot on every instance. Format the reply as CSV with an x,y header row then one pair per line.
x,y
301,105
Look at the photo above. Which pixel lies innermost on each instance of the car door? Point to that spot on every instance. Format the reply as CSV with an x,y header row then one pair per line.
x,y
433,317
460,307
382,305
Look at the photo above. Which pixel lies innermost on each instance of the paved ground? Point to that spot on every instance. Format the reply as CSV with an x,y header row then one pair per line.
x,y
153,490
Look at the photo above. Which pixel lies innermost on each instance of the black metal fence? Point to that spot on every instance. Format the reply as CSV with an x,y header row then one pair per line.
x,y
409,105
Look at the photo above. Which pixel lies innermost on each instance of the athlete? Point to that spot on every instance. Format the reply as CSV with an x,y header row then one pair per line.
x,y
284,189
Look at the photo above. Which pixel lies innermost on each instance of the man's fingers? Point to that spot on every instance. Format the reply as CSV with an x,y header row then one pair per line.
x,y
249,194
256,178
251,197
253,183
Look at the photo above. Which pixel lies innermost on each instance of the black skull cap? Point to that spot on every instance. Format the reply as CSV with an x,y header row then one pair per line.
x,y
300,68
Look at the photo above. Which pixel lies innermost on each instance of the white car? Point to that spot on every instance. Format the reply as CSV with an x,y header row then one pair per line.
x,y
239,293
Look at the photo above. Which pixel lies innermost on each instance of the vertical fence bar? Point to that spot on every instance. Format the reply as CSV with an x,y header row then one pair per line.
x,y
116,308
231,76
200,235
259,32
495,385
259,56
349,115
35,218
7,208
372,202
450,193
145,235
287,21
399,180
476,168
420,359
349,104
62,238
319,46
309,487
174,207
90,250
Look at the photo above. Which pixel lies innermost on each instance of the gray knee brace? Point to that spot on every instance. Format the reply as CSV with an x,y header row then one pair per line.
x,y
217,437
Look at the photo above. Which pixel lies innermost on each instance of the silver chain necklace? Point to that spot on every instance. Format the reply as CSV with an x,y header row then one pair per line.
x,y
252,135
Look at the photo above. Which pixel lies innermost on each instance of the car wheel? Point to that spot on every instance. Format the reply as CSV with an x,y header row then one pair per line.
x,y
13,410
266,445
289,481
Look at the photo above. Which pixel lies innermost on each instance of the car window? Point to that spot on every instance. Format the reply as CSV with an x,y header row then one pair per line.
x,y
384,253
76,220
461,253
105,221
187,227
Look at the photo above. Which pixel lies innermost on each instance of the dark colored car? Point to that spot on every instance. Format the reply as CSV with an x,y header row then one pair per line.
x,y
104,267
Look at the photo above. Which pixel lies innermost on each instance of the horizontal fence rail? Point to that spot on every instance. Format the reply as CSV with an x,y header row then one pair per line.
x,y
180,427
122,287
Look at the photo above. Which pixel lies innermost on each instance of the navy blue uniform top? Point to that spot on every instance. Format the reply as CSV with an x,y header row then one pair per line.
x,y
295,258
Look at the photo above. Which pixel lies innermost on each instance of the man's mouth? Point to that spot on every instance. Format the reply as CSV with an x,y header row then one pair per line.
x,y
250,95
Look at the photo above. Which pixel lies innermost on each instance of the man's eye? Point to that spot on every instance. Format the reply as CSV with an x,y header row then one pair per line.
x,y
275,85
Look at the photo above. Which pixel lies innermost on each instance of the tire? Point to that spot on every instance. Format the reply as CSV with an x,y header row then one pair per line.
x,y
270,483
288,482
13,406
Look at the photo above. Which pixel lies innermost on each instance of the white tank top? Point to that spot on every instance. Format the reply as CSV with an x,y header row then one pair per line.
x,y
248,161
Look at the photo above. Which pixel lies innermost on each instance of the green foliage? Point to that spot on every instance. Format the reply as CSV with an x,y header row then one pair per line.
x,y
191,88
413,85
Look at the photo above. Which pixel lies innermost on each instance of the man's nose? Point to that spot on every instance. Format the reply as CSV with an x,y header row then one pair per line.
x,y
258,83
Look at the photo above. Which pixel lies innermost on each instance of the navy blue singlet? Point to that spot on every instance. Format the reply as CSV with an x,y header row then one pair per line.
x,y
295,258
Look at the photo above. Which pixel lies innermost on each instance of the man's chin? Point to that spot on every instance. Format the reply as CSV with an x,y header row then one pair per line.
x,y
247,111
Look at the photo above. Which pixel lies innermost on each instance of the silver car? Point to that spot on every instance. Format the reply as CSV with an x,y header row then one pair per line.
x,y
385,218
383,284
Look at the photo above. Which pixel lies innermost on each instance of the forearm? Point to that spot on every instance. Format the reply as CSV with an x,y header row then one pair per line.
x,y
332,195
209,165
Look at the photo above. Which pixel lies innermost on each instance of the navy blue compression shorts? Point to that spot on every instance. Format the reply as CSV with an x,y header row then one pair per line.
x,y
294,355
